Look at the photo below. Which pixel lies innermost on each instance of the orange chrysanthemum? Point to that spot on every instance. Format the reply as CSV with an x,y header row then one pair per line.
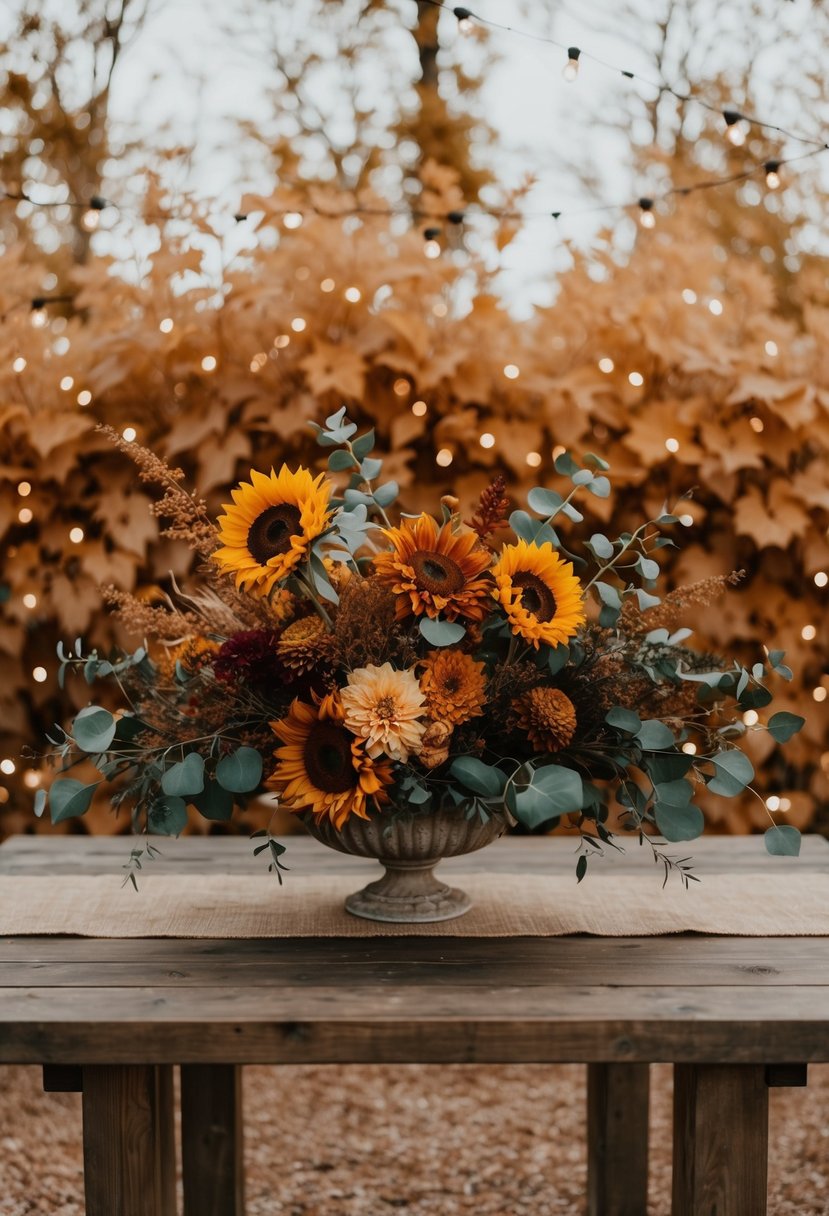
x,y
322,768
270,526
549,718
435,570
454,685
541,596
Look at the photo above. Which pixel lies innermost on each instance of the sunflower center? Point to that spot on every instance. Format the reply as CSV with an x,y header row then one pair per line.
x,y
327,757
536,596
271,532
437,573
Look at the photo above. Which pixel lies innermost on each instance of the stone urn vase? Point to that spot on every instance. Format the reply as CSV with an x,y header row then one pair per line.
x,y
409,847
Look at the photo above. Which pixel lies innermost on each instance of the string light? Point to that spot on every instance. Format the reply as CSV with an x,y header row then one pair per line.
x,y
606,366
821,578
808,633
751,717
25,515
166,324
512,371
773,802
571,68
689,296
444,457
24,489
533,459
84,397
735,127
771,349
352,294
298,324
647,219
687,521
487,440
66,383
129,433
636,379
281,341
819,693
327,285
757,425
464,16
40,675
7,767
19,365
772,168
39,318
419,408
76,535
432,249
29,600
208,363
292,219
715,307
31,778
690,749
558,450
672,445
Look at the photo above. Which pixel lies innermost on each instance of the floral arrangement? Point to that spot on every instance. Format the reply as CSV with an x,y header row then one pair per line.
x,y
364,667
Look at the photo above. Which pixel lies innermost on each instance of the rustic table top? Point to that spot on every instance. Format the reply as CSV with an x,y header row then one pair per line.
x,y
685,998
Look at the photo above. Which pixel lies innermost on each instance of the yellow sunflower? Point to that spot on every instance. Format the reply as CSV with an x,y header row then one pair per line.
x,y
435,570
322,768
270,525
454,686
541,596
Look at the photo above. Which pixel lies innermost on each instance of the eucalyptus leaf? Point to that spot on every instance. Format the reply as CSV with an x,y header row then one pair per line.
x,y
214,802
167,816
782,726
733,772
553,791
624,719
241,771
557,657
600,487
654,735
679,822
363,445
341,460
782,840
600,545
186,778
69,798
483,779
385,494
370,468
93,729
40,802
441,633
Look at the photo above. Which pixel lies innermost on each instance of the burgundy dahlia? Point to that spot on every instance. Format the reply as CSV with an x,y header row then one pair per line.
x,y
250,657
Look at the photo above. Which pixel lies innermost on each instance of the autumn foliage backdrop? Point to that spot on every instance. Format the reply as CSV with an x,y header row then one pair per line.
x,y
693,357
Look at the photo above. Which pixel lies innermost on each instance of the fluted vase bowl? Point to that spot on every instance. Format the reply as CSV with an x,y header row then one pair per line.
x,y
409,847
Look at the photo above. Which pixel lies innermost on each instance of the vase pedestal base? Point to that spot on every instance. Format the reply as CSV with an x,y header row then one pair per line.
x,y
408,893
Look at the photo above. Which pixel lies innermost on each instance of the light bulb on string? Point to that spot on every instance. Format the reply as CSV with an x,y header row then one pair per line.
x,y
647,219
735,125
465,21
571,68
92,216
38,317
772,168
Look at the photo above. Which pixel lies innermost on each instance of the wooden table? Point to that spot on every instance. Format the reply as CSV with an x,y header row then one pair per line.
x,y
111,1017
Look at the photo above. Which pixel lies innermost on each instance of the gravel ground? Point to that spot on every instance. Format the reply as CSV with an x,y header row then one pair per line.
x,y
501,1141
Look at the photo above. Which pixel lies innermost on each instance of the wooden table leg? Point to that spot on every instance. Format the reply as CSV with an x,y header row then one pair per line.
x,y
211,1140
128,1144
721,1126
617,1139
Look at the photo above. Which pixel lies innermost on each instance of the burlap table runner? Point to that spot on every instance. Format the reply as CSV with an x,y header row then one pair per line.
x,y
505,905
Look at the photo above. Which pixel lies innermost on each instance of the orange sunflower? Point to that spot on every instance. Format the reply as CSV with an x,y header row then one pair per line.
x,y
322,768
543,599
435,570
270,526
